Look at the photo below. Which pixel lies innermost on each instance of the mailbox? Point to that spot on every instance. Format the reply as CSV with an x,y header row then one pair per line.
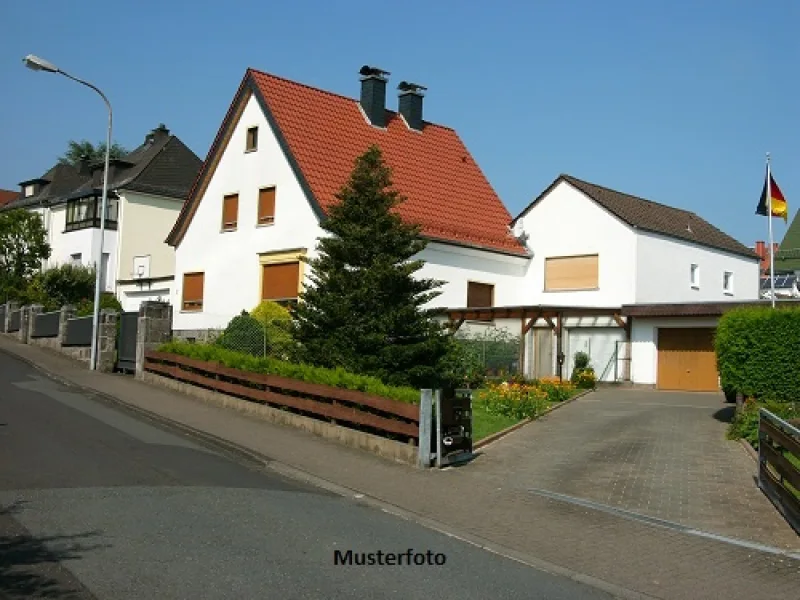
x,y
455,425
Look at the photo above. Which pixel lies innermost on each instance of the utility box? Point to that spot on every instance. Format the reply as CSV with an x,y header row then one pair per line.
x,y
453,435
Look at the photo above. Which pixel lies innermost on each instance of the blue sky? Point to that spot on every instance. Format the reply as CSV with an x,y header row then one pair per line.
x,y
677,101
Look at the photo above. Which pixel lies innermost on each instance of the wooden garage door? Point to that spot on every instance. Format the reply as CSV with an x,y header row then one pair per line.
x,y
686,360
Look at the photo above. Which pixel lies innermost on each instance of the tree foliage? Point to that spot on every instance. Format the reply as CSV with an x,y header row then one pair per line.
x,y
364,310
68,284
23,247
94,153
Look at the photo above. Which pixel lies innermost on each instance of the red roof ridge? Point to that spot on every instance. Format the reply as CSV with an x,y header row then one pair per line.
x,y
334,94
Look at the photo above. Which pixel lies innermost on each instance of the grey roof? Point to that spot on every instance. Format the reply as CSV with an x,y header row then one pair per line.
x,y
162,165
59,181
653,217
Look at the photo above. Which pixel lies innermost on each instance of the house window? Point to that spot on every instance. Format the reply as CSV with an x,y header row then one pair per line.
x,y
75,259
572,273
230,212
85,213
266,206
280,282
29,190
694,276
480,295
252,139
193,291
727,282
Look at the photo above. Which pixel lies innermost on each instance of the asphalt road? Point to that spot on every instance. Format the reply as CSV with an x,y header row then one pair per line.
x,y
95,503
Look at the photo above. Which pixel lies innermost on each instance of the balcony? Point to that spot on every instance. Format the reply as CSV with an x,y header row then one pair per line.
x,y
85,213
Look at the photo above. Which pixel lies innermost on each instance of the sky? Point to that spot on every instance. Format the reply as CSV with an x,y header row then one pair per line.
x,y
675,101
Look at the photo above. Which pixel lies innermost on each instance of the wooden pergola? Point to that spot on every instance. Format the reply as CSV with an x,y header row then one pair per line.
x,y
529,316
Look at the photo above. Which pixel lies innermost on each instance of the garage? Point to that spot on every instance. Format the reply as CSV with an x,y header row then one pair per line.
x,y
600,343
686,360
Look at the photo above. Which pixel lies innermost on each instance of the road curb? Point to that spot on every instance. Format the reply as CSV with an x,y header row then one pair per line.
x,y
751,452
504,432
386,506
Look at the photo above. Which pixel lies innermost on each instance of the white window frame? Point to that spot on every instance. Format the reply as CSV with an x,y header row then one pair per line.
x,y
727,277
694,276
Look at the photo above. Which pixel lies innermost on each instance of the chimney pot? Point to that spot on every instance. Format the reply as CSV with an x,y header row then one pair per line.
x,y
410,105
373,94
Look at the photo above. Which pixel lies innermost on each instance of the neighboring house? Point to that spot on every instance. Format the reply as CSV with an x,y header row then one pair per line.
x,y
146,190
787,257
282,152
596,247
7,196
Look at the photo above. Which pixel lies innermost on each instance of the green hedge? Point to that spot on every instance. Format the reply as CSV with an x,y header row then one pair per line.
x,y
271,366
758,352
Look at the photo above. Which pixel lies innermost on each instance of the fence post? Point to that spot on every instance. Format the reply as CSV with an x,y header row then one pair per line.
x,y
24,320
107,341
33,311
425,427
67,312
11,306
153,329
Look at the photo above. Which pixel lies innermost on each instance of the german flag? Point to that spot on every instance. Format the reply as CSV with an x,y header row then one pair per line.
x,y
778,205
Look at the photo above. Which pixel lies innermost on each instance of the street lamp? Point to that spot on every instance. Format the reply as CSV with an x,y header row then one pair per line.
x,y
39,64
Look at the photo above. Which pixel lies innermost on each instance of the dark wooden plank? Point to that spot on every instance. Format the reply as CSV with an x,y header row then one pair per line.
x,y
784,500
781,465
387,405
780,437
337,412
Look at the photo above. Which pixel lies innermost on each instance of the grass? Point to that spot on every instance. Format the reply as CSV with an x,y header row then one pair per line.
x,y
485,424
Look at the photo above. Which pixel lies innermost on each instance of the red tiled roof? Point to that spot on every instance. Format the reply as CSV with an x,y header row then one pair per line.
x,y
446,191
7,196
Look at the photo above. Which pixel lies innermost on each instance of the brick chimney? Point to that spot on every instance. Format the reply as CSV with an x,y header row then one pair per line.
x,y
410,105
763,252
159,133
373,94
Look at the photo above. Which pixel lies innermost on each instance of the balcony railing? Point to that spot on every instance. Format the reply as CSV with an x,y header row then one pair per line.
x,y
88,224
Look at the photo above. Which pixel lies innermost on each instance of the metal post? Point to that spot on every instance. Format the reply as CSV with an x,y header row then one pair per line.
x,y
438,404
425,426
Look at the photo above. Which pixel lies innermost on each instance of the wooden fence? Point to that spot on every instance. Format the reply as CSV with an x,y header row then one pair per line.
x,y
381,416
778,461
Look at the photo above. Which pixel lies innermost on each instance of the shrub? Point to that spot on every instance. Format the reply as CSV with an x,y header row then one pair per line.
x,y
460,367
244,334
85,307
272,366
745,423
513,400
68,283
556,391
758,354
277,325
585,379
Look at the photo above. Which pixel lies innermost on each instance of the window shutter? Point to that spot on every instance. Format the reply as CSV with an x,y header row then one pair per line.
x,y
230,211
193,291
480,295
266,206
280,281
571,273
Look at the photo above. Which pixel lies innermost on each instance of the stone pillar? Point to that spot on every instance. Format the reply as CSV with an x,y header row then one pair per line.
x,y
107,341
24,324
67,312
33,310
154,328
10,306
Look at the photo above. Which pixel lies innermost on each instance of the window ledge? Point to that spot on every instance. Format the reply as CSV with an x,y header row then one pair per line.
x,y
696,287
251,150
594,289
258,225
228,230
728,293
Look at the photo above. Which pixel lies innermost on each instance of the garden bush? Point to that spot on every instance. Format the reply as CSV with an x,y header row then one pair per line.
x,y
244,334
758,353
582,374
523,401
745,423
85,307
277,324
272,366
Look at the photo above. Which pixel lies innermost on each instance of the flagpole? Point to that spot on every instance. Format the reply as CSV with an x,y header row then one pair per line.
x,y
771,244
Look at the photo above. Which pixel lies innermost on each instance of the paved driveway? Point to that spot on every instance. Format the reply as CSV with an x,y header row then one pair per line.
x,y
659,454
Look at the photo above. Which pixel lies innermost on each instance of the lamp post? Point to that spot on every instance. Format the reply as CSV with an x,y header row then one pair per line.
x,y
39,64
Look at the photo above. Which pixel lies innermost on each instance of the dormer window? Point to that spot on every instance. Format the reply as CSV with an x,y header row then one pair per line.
x,y
252,139
29,191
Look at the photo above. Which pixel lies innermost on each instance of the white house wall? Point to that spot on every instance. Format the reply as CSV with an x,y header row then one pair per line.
x,y
145,222
567,223
131,295
644,350
663,272
230,259
85,242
